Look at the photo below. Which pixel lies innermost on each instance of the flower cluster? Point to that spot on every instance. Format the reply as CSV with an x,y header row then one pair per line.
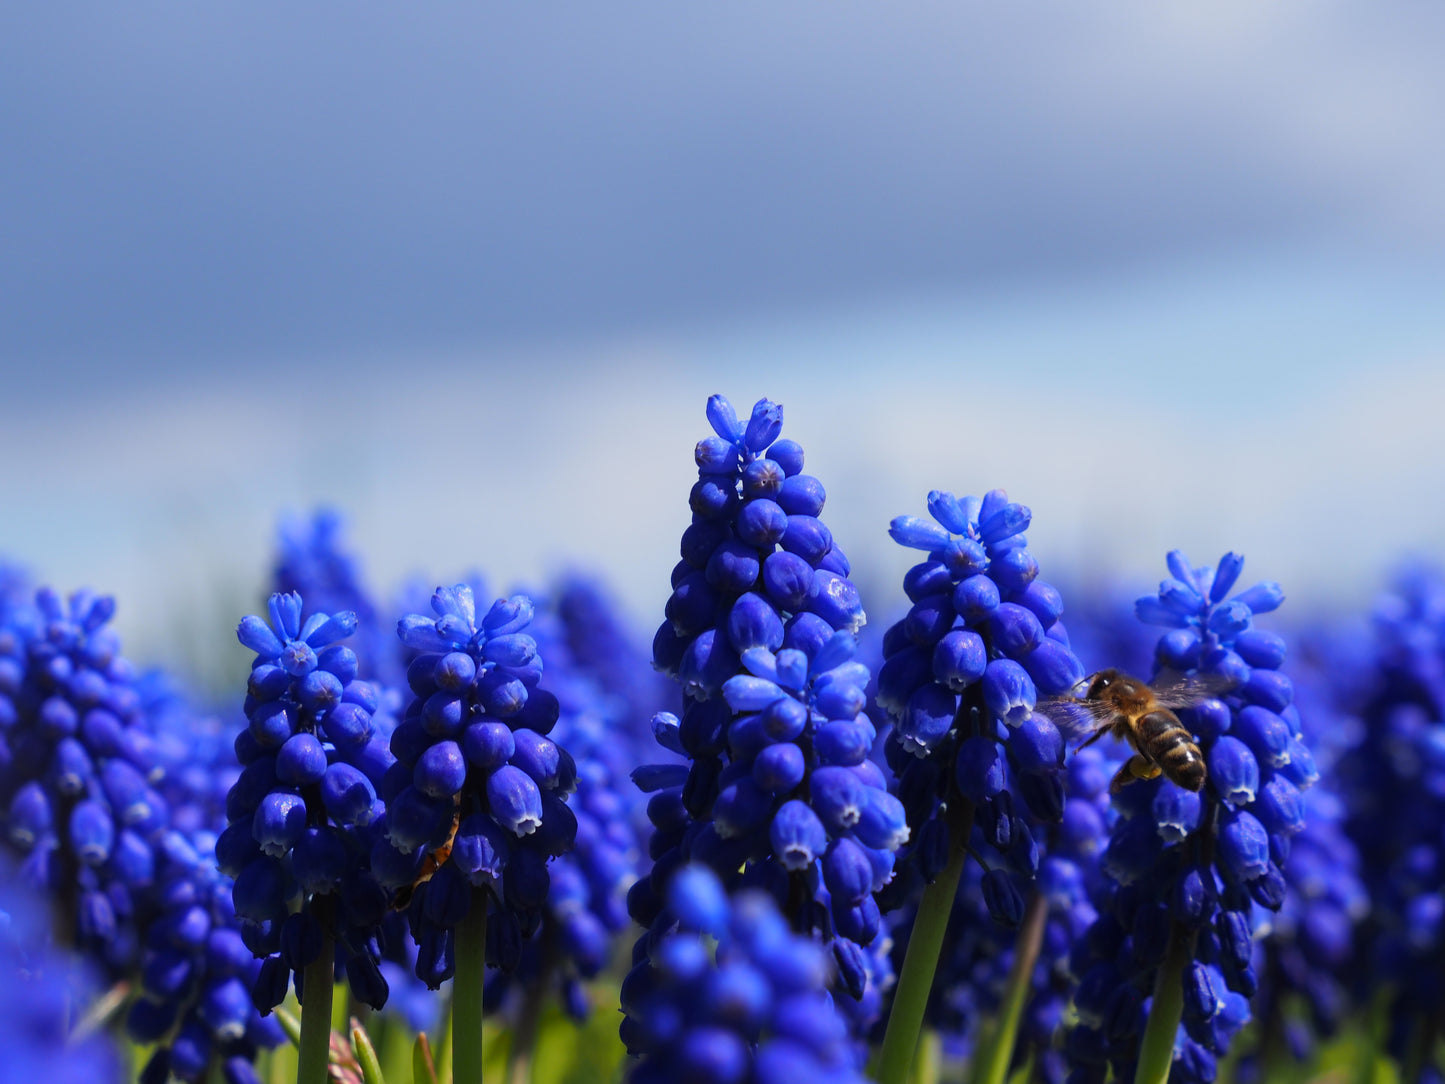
x,y
752,1010
77,768
586,907
963,672
761,632
1393,779
1192,872
476,802
38,988
304,813
197,974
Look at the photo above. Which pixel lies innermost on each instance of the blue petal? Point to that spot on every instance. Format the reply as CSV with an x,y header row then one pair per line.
x,y
333,628
421,633
764,426
761,663
724,419
744,693
792,668
1179,566
917,533
256,635
1262,597
945,508
285,614
1230,566
1153,612
839,649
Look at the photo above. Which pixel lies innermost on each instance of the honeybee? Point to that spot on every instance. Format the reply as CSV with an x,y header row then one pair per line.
x,y
1143,715
434,860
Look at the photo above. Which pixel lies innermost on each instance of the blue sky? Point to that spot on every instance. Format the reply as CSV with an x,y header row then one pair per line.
x,y
253,257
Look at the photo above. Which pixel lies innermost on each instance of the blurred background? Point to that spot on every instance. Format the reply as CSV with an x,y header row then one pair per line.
x,y
1172,275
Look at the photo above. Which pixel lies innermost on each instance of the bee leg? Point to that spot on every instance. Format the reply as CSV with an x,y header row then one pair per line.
x,y
1095,736
1136,767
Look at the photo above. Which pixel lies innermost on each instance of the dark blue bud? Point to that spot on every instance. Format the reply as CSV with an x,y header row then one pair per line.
x,y
301,761
929,619
980,769
779,768
1044,796
1233,771
809,538
1176,811
1001,896
843,743
882,824
1014,570
1008,691
260,891
975,598
1203,992
788,454
481,849
1178,649
1269,689
741,807
413,819
847,871
539,757
1014,630
1260,649
319,860
279,821
763,478
927,578
92,832
1243,846
835,599
752,622
1035,746
928,719
347,795
802,495
514,799
797,835
488,745
1266,734
959,659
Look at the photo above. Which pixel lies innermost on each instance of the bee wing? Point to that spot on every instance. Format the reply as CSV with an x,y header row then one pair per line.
x,y
1077,720
1175,690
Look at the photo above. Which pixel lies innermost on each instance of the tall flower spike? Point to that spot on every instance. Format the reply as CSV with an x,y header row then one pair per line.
x,y
586,908
1397,750
761,633
79,770
305,815
1191,876
963,672
476,804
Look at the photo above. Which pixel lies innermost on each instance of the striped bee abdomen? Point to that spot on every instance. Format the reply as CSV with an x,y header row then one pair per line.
x,y
1165,741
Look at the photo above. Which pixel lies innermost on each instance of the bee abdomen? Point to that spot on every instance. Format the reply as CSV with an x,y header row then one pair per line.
x,y
1172,747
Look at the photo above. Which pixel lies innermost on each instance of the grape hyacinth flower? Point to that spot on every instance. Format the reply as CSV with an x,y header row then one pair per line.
x,y
978,769
476,801
586,908
39,989
1393,781
77,770
196,974
304,816
1192,875
723,992
761,633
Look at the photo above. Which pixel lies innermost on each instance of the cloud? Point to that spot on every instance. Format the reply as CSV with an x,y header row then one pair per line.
x,y
202,181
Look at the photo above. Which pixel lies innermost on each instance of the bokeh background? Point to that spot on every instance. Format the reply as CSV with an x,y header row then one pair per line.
x,y
1171,274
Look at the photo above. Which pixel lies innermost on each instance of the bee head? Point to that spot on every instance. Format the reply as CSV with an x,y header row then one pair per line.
x,y
1099,682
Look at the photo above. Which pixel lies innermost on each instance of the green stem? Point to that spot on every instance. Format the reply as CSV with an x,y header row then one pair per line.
x,y
1156,1052
316,1016
996,1054
910,998
471,952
